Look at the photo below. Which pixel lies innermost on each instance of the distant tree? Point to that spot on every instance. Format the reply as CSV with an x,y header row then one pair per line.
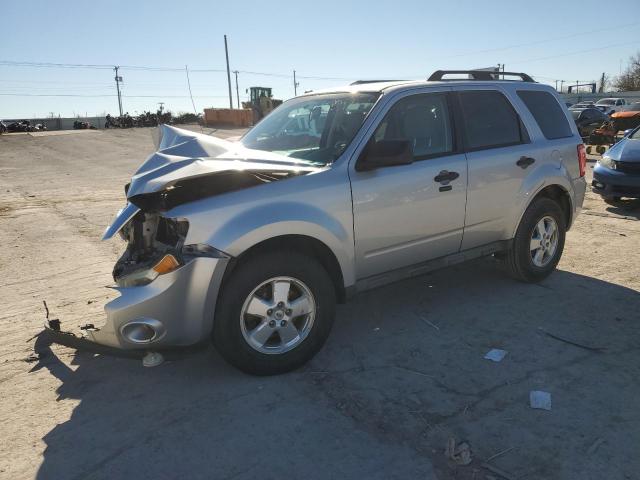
x,y
604,83
630,78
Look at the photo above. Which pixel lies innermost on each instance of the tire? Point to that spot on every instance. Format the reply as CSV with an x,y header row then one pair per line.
x,y
255,278
521,259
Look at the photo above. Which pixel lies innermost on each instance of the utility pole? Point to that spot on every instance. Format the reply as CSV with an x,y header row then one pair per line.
x,y
226,52
556,85
118,80
237,91
561,85
295,85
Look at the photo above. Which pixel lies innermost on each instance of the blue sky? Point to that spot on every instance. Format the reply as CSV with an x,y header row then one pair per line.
x,y
338,40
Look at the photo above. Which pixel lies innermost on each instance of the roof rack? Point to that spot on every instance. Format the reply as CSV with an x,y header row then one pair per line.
x,y
478,75
361,82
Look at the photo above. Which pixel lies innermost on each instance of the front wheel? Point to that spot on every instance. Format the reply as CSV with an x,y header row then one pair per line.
x,y
274,313
539,241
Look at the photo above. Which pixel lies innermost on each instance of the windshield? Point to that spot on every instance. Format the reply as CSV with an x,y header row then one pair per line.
x,y
316,128
606,101
635,135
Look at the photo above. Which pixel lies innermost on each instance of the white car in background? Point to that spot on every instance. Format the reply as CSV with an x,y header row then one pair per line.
x,y
611,105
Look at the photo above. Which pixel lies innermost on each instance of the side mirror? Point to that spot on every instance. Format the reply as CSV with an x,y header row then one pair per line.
x,y
385,153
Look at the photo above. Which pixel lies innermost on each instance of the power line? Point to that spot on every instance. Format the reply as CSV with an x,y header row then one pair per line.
x,y
105,95
576,52
539,42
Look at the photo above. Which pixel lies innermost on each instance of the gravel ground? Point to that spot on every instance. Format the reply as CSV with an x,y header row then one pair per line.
x,y
402,372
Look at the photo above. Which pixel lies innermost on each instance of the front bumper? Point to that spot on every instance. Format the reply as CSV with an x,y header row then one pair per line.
x,y
178,307
611,183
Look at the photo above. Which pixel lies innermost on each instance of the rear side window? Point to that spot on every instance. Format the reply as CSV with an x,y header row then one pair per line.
x,y
490,120
547,112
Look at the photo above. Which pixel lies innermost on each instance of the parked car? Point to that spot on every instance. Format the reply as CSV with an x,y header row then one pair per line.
x,y
617,173
580,105
628,118
588,119
253,243
611,105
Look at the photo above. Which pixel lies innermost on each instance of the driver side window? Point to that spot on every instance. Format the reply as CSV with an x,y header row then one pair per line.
x,y
423,120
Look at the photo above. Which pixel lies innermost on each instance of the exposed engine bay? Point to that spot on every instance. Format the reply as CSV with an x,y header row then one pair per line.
x,y
150,239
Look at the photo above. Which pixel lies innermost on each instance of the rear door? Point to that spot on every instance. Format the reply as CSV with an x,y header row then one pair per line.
x,y
500,154
407,214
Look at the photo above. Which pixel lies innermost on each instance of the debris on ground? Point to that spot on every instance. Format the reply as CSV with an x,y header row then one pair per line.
x,y
499,454
540,400
152,359
430,323
592,449
571,342
460,453
495,355
497,471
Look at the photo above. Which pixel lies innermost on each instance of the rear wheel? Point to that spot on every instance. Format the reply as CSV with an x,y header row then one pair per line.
x,y
539,241
274,313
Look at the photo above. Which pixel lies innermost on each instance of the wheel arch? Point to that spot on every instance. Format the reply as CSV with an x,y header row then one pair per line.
x,y
558,194
304,244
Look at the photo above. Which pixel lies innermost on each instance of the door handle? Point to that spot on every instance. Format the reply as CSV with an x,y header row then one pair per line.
x,y
446,176
524,162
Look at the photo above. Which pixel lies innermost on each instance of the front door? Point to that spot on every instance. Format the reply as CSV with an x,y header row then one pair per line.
x,y
407,214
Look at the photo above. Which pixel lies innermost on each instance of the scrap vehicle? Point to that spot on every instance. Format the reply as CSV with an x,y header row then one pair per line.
x,y
20,126
80,125
250,244
617,173
627,118
588,119
611,105
3,128
261,102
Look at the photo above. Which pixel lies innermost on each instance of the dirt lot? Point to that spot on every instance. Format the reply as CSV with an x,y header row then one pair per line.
x,y
401,373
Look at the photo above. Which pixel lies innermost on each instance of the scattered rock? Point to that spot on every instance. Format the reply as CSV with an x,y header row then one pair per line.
x,y
460,453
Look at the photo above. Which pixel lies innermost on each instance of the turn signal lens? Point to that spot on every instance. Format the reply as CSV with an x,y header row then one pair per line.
x,y
582,159
166,265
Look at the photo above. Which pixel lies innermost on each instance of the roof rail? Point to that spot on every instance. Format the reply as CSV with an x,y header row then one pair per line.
x,y
361,82
478,75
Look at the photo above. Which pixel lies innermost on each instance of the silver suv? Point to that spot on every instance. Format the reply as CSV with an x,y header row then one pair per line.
x,y
336,192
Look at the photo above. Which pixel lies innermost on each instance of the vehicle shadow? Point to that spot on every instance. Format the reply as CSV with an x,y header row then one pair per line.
x,y
626,207
401,372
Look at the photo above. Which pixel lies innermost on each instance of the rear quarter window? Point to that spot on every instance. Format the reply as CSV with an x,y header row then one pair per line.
x,y
547,112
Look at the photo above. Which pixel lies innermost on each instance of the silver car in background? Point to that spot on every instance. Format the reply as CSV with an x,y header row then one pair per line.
x,y
252,243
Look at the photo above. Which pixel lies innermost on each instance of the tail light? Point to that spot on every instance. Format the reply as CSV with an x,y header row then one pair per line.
x,y
582,159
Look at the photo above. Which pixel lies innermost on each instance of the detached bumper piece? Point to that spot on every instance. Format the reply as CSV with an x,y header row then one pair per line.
x,y
52,333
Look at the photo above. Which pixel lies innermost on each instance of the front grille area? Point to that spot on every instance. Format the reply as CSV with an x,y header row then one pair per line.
x,y
632,168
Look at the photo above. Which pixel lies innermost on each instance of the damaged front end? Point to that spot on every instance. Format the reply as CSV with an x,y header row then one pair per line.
x,y
168,288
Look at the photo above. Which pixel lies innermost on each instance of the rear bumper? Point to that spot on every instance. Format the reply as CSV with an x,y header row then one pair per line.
x,y
175,310
609,183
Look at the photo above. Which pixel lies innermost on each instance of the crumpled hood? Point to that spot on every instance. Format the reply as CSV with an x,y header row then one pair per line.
x,y
189,166
626,150
183,154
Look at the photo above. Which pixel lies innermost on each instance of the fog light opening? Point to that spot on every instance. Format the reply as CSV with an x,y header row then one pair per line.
x,y
141,331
